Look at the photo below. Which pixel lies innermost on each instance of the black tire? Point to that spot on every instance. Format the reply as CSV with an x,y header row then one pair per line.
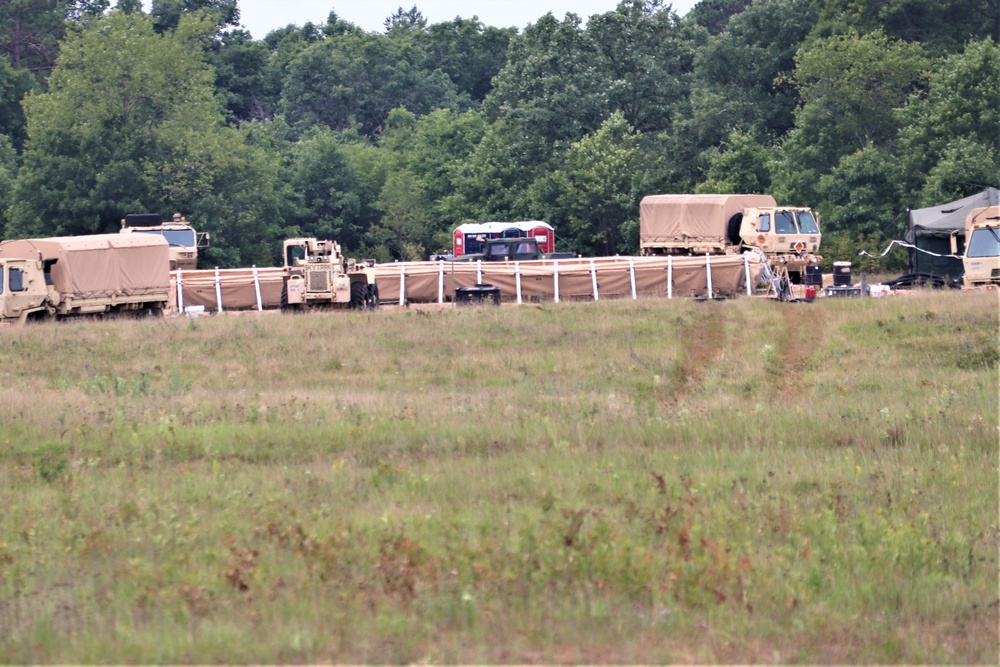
x,y
359,295
733,229
285,306
372,300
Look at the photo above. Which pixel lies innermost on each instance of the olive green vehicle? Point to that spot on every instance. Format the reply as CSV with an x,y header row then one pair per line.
x,y
982,248
183,239
789,236
316,274
83,275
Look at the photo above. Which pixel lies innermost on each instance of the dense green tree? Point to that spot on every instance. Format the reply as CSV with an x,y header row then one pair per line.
x,y
242,76
952,134
470,53
131,123
594,191
941,26
327,201
714,15
167,14
14,85
851,86
551,85
359,78
742,77
647,59
8,171
30,31
741,166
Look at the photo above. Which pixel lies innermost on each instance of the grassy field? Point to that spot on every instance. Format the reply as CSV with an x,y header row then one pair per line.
x,y
637,482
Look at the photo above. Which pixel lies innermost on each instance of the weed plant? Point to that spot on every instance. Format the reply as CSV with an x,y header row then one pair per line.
x,y
648,481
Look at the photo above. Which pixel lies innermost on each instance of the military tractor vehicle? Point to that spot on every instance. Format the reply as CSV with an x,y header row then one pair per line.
x,y
183,239
316,274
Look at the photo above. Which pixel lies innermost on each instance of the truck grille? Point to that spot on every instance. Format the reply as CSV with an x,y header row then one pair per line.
x,y
318,281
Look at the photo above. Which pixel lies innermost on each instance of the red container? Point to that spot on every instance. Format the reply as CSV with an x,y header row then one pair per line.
x,y
810,292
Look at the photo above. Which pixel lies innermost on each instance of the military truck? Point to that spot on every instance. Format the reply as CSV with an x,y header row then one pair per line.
x,y
788,236
183,239
83,275
510,250
982,247
317,274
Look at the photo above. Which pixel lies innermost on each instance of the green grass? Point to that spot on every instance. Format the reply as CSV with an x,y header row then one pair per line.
x,y
619,481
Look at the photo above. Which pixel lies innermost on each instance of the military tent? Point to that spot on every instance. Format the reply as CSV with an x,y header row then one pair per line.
x,y
930,229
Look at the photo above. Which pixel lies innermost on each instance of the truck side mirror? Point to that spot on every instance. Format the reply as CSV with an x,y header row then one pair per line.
x,y
954,242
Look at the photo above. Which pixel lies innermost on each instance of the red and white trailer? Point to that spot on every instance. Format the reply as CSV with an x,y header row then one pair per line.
x,y
468,238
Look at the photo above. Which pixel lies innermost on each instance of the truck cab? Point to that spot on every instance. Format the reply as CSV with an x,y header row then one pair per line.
x,y
982,247
25,288
790,236
183,239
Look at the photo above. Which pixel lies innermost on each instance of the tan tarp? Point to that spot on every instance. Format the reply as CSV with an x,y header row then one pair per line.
x,y
431,282
671,220
236,287
427,282
100,265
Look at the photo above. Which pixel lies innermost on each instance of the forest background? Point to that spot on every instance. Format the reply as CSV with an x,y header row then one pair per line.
x,y
387,141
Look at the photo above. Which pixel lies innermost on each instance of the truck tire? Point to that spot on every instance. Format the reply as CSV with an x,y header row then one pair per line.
x,y
733,229
359,295
372,300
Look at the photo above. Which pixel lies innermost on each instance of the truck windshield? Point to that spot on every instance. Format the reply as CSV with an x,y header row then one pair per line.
x,y
784,222
175,237
984,243
807,223
294,252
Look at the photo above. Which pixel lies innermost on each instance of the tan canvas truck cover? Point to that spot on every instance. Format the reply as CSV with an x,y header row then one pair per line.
x,y
675,220
100,265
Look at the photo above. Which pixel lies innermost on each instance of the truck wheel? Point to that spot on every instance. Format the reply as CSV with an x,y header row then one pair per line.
x,y
359,295
285,306
372,300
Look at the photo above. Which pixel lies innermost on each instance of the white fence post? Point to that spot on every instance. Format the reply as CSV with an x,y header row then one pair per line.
x,y
631,273
402,284
708,269
746,272
440,282
180,292
479,272
555,279
256,286
670,277
593,278
517,279
218,291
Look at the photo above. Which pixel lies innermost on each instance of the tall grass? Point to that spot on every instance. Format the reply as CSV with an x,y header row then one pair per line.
x,y
623,481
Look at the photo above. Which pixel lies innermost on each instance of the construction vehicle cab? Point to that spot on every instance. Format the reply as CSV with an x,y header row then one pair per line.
x,y
317,274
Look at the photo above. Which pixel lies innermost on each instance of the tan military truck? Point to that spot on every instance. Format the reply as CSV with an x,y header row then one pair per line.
x,y
183,239
730,224
83,275
317,274
982,247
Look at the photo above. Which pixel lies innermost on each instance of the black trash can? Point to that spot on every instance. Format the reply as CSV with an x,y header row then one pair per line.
x,y
477,294
841,274
813,276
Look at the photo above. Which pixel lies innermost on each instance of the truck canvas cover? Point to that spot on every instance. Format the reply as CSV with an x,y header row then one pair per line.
x,y
100,265
673,218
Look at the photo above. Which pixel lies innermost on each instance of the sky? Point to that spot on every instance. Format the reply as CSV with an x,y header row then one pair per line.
x,y
262,16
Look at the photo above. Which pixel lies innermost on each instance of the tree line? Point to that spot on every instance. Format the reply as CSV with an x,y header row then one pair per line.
x,y
387,140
